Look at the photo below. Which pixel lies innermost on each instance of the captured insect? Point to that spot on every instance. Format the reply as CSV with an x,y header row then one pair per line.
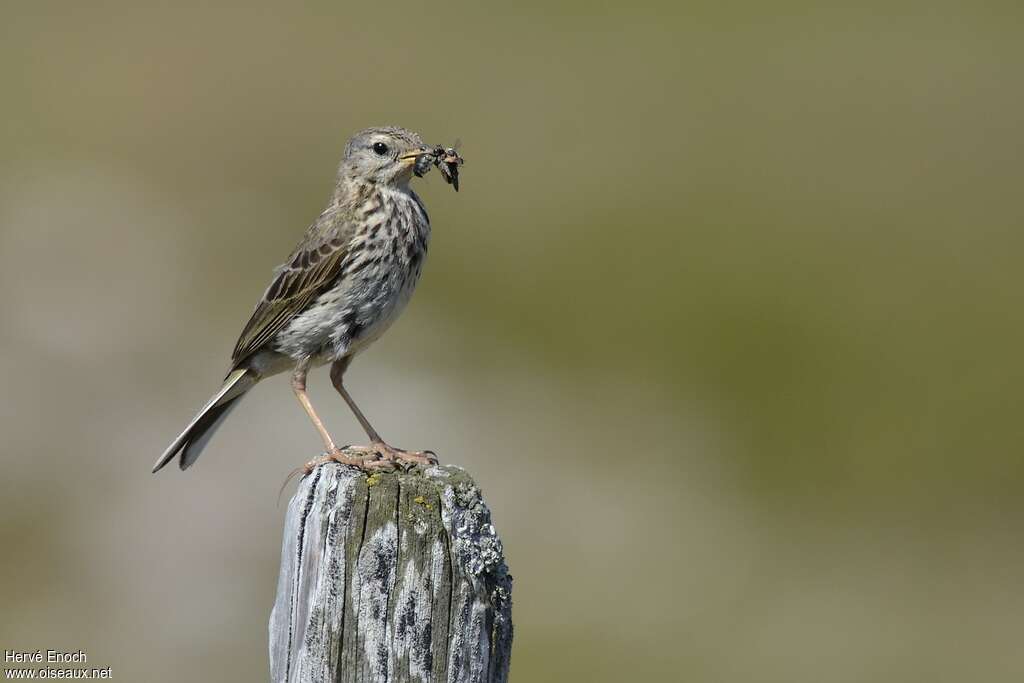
x,y
448,165
446,159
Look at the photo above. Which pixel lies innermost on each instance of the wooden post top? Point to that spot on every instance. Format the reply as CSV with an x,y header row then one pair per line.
x,y
390,576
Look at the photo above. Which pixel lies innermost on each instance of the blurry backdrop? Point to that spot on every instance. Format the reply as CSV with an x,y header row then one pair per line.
x,y
726,321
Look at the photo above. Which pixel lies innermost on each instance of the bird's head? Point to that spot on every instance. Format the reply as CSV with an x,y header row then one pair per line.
x,y
388,156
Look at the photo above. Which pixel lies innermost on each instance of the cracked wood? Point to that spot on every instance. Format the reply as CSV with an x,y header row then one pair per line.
x,y
390,577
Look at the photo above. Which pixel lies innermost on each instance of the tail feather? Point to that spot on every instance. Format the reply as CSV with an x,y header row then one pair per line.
x,y
195,436
204,429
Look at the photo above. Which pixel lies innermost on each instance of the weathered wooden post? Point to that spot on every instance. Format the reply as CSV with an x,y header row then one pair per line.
x,y
393,576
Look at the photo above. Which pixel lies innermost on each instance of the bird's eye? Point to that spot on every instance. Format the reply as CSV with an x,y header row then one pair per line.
x,y
380,148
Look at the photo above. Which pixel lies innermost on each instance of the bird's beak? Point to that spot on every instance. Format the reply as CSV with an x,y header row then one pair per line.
x,y
416,160
413,156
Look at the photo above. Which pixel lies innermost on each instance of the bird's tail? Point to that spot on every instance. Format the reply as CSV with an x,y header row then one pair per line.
x,y
193,439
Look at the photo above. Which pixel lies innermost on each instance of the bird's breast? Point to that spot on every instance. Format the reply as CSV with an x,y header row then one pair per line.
x,y
375,282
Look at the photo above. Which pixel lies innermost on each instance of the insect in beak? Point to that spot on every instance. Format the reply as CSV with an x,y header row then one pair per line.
x,y
446,159
449,167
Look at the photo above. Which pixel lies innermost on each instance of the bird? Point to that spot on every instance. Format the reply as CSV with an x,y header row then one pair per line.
x,y
346,281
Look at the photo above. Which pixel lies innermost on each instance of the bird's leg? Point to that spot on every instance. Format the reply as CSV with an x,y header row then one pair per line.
x,y
334,454
337,373
377,445
299,387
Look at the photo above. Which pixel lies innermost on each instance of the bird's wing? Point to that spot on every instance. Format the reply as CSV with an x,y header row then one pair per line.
x,y
316,262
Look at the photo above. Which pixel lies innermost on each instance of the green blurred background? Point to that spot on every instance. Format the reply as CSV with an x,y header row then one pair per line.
x,y
726,321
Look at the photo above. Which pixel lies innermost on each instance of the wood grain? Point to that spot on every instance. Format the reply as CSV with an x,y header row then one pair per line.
x,y
390,577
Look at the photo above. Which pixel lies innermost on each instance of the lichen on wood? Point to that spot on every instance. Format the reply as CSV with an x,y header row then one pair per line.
x,y
398,576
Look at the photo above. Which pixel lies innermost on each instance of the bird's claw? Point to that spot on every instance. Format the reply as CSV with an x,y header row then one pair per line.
x,y
376,456
338,455
341,455
396,457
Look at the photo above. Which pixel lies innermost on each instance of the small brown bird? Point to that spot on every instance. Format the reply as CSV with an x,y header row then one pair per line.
x,y
344,284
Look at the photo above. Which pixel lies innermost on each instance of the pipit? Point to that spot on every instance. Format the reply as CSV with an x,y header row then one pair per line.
x,y
344,284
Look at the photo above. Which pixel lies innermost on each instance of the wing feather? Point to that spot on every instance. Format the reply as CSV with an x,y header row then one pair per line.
x,y
312,267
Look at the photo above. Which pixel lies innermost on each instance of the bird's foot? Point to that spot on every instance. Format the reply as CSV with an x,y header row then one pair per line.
x,y
336,456
380,452
365,463
377,456
370,461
